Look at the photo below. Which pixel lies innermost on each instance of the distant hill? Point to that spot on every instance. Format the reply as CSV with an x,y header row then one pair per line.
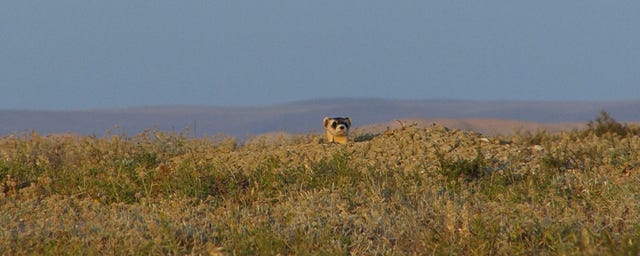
x,y
306,116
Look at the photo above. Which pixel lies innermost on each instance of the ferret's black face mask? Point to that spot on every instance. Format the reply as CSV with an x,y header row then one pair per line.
x,y
340,121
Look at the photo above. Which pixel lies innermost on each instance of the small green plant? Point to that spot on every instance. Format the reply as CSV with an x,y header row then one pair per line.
x,y
463,169
364,137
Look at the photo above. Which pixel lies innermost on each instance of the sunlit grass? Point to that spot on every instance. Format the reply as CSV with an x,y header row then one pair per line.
x,y
406,191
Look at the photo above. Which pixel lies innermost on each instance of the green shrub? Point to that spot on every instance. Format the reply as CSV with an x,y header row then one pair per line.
x,y
606,124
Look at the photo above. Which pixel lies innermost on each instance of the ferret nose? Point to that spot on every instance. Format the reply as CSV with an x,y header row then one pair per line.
x,y
341,127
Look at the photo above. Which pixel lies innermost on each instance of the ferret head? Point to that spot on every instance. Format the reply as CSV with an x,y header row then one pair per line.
x,y
338,126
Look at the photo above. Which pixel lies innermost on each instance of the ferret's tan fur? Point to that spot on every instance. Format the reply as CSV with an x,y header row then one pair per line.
x,y
337,129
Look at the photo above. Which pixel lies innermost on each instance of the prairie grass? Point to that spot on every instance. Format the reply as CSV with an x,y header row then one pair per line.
x,y
413,190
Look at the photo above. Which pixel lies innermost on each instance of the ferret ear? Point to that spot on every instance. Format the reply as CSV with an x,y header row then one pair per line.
x,y
326,121
348,121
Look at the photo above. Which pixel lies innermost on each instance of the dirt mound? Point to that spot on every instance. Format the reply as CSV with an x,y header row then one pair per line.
x,y
486,126
408,148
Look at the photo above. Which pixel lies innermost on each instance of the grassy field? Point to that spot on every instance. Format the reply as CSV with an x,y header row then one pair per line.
x,y
413,190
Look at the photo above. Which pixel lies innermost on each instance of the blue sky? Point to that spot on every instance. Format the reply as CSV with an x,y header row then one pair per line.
x,y
109,54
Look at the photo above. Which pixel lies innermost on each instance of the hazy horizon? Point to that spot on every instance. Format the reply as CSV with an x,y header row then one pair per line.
x,y
76,55
307,116
339,101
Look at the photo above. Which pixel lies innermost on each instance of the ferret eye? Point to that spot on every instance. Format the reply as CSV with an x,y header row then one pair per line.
x,y
334,124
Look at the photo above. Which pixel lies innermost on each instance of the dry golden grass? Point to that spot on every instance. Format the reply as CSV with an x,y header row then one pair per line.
x,y
410,191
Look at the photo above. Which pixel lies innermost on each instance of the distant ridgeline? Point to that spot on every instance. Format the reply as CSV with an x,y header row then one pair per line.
x,y
306,116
